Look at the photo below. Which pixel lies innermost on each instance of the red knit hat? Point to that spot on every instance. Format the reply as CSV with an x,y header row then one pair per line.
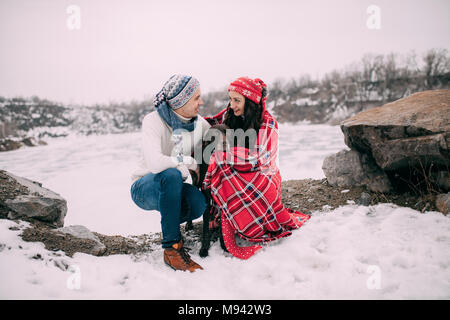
x,y
249,88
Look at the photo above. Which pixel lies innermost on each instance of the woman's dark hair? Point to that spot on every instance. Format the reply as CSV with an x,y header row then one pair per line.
x,y
252,117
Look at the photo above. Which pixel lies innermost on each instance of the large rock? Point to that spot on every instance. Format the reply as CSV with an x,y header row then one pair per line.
x,y
96,247
413,131
443,203
21,198
443,180
69,239
349,168
9,144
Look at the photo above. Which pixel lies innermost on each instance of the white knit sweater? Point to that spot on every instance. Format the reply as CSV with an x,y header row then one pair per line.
x,y
157,146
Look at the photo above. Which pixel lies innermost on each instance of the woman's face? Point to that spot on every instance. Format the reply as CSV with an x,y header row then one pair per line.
x,y
237,103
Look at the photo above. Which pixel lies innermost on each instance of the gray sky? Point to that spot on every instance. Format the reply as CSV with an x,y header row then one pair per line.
x,y
126,49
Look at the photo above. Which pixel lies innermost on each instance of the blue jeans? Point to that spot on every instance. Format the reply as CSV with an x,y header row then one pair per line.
x,y
177,202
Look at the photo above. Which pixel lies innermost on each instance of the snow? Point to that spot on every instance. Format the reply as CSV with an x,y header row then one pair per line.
x,y
50,131
340,112
310,90
281,101
303,147
352,252
305,101
374,96
270,106
220,103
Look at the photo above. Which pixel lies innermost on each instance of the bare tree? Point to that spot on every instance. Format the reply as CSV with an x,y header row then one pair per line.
x,y
436,62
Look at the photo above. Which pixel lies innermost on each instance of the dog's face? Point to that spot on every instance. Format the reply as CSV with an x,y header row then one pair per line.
x,y
220,145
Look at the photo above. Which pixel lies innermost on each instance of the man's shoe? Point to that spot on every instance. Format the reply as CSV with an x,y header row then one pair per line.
x,y
177,258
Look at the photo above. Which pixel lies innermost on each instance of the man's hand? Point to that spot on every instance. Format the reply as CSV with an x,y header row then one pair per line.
x,y
184,170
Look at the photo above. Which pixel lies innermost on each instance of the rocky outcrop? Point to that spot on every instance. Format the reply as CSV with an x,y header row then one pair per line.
x,y
351,168
24,199
21,198
97,248
403,140
443,180
8,144
404,133
70,239
443,203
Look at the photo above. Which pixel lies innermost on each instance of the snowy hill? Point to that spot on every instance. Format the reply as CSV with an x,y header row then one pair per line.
x,y
39,118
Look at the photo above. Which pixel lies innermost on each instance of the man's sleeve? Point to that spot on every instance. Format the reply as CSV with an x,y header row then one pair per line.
x,y
155,160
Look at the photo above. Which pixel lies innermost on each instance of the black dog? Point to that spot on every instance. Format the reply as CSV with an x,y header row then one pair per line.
x,y
198,181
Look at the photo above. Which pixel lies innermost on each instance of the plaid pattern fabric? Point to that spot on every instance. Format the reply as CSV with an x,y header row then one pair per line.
x,y
246,188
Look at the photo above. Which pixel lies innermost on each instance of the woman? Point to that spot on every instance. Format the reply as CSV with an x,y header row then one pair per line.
x,y
244,180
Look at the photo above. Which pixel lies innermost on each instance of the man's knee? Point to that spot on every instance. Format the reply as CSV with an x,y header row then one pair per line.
x,y
200,212
171,176
200,205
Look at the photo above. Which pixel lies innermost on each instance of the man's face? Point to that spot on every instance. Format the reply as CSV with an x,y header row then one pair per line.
x,y
190,109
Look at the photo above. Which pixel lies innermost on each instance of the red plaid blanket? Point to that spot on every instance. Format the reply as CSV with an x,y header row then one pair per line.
x,y
246,187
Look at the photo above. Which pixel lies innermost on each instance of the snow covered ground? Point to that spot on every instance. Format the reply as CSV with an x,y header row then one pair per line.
x,y
352,252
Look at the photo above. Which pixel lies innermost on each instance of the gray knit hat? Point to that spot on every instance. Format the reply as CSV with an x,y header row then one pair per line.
x,y
177,91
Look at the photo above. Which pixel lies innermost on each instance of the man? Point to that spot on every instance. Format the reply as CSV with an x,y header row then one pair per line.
x,y
169,135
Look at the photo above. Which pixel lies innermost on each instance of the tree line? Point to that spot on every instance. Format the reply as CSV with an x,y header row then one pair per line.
x,y
373,81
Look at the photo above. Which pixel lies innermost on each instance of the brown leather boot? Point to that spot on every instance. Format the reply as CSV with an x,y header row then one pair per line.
x,y
178,259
